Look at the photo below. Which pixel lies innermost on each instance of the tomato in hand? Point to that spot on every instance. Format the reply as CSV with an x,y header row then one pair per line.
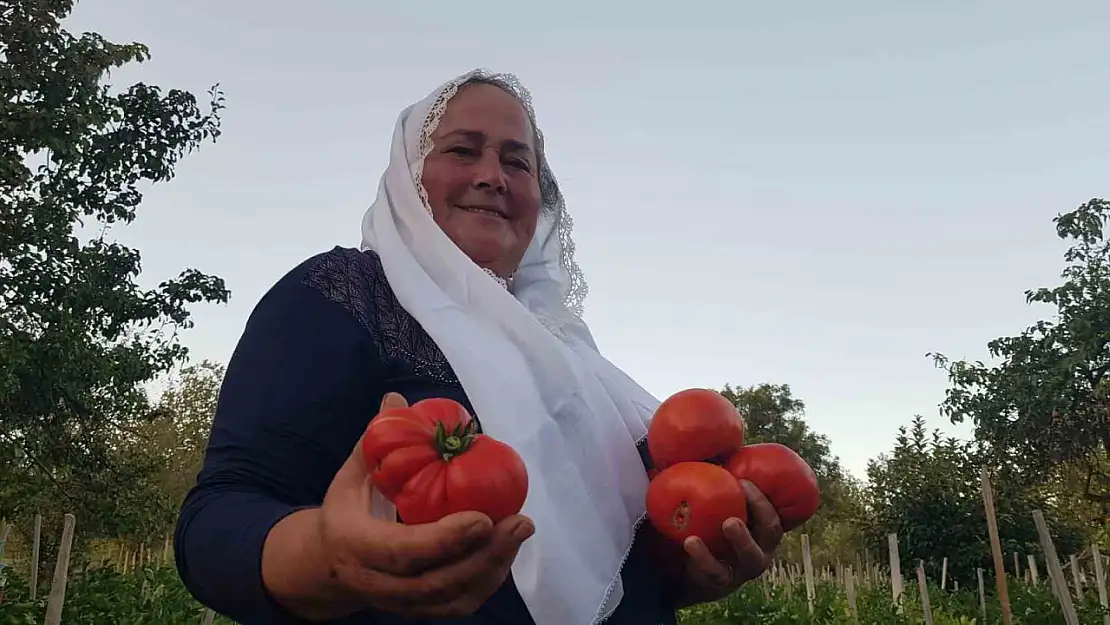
x,y
782,476
430,460
695,499
695,425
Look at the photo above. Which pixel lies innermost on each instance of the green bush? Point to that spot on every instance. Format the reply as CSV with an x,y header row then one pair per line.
x,y
102,596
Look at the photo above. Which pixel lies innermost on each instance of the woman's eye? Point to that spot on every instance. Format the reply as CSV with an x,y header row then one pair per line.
x,y
463,151
519,164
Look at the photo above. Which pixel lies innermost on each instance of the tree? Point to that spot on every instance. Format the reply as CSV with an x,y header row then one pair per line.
x,y
179,434
928,491
1045,404
772,414
78,336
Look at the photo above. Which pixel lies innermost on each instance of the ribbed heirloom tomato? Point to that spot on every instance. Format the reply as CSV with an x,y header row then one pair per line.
x,y
430,460
782,476
695,499
694,425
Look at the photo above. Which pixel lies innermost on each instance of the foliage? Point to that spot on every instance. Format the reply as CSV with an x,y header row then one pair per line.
x,y
178,435
787,605
928,491
773,414
102,596
1046,402
78,335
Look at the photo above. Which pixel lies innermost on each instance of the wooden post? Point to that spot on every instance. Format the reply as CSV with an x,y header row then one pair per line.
x,y
1033,569
996,548
982,594
923,587
850,589
61,574
36,544
807,562
1055,573
1076,577
1100,581
943,573
895,570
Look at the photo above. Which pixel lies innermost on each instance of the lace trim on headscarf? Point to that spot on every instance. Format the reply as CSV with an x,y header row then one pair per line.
x,y
554,207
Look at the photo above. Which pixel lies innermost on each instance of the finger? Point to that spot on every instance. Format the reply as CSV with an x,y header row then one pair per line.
x,y
409,550
750,559
350,480
705,569
763,520
474,580
457,587
393,400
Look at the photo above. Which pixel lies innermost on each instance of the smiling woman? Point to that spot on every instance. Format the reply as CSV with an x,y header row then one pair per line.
x,y
481,177
465,288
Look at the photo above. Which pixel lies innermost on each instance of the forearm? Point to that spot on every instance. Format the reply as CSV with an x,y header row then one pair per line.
x,y
296,574
218,551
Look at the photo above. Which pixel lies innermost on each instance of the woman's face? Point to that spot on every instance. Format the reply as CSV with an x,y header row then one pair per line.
x,y
482,177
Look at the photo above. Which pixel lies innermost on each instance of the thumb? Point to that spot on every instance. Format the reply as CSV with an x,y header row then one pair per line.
x,y
353,476
392,400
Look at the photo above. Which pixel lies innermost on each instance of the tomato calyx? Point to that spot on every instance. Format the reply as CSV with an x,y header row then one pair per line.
x,y
681,517
461,437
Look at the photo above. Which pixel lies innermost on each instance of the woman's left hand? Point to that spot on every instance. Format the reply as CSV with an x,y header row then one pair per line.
x,y
753,547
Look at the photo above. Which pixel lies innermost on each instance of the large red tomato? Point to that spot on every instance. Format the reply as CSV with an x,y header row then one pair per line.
x,y
430,460
695,499
695,425
782,476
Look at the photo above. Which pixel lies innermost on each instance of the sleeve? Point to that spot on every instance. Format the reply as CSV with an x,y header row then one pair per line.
x,y
297,394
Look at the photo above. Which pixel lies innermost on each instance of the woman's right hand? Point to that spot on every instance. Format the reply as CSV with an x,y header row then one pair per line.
x,y
444,569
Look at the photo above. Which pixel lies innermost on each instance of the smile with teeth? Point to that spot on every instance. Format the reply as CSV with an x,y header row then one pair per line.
x,y
484,211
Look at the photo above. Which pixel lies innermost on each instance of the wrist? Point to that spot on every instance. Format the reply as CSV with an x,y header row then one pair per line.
x,y
296,571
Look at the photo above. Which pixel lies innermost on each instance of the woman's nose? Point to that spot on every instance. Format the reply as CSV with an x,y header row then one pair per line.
x,y
488,172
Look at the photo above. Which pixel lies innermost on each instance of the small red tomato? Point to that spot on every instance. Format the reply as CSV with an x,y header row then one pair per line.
x,y
430,460
782,476
695,425
695,499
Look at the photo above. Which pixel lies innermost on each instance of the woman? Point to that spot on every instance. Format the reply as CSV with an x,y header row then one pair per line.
x,y
465,287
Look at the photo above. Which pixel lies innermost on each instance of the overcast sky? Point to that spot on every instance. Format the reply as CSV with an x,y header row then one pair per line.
x,y
810,193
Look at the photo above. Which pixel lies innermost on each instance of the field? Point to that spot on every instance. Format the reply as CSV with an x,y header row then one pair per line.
x,y
154,594
143,588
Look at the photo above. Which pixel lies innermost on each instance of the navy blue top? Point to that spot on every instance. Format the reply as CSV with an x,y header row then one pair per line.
x,y
317,355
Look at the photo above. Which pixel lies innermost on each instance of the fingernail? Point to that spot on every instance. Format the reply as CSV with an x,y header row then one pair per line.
x,y
523,530
749,488
478,528
732,524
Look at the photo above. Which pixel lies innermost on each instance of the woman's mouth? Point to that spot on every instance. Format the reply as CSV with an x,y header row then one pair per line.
x,y
492,211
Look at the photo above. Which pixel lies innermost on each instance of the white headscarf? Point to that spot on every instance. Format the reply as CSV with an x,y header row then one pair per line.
x,y
531,369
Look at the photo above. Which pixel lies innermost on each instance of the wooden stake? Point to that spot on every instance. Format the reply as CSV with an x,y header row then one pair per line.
x,y
923,587
36,544
850,588
1055,573
1100,582
811,591
61,574
996,548
1076,576
895,570
982,594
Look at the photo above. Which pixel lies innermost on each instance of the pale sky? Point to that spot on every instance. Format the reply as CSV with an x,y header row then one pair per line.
x,y
810,193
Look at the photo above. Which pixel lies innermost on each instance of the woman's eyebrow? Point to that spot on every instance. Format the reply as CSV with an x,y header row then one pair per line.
x,y
478,136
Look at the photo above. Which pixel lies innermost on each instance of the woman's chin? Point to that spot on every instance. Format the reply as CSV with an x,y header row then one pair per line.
x,y
487,252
